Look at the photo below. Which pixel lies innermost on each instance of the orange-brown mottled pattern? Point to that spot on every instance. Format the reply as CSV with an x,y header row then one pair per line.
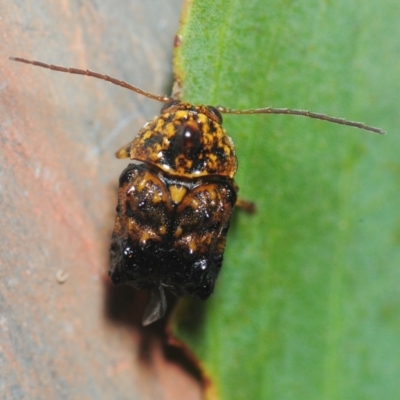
x,y
156,143
180,245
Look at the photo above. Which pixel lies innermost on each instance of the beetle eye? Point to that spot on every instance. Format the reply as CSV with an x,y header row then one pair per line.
x,y
216,113
169,104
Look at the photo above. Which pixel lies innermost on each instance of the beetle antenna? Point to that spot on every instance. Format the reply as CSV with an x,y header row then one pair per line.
x,y
303,113
163,99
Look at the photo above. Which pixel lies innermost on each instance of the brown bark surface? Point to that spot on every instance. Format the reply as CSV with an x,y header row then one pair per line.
x,y
58,178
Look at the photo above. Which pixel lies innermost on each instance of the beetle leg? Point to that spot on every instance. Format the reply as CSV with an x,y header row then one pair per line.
x,y
246,205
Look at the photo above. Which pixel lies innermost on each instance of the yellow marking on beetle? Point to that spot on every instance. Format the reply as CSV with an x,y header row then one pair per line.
x,y
146,179
147,135
212,157
142,184
177,193
192,247
157,197
195,204
169,130
144,238
202,119
160,124
162,230
178,232
181,114
155,157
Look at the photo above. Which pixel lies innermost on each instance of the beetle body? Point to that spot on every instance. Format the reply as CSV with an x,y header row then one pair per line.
x,y
174,208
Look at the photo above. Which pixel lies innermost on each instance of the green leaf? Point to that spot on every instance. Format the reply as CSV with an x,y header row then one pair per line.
x,y
307,305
